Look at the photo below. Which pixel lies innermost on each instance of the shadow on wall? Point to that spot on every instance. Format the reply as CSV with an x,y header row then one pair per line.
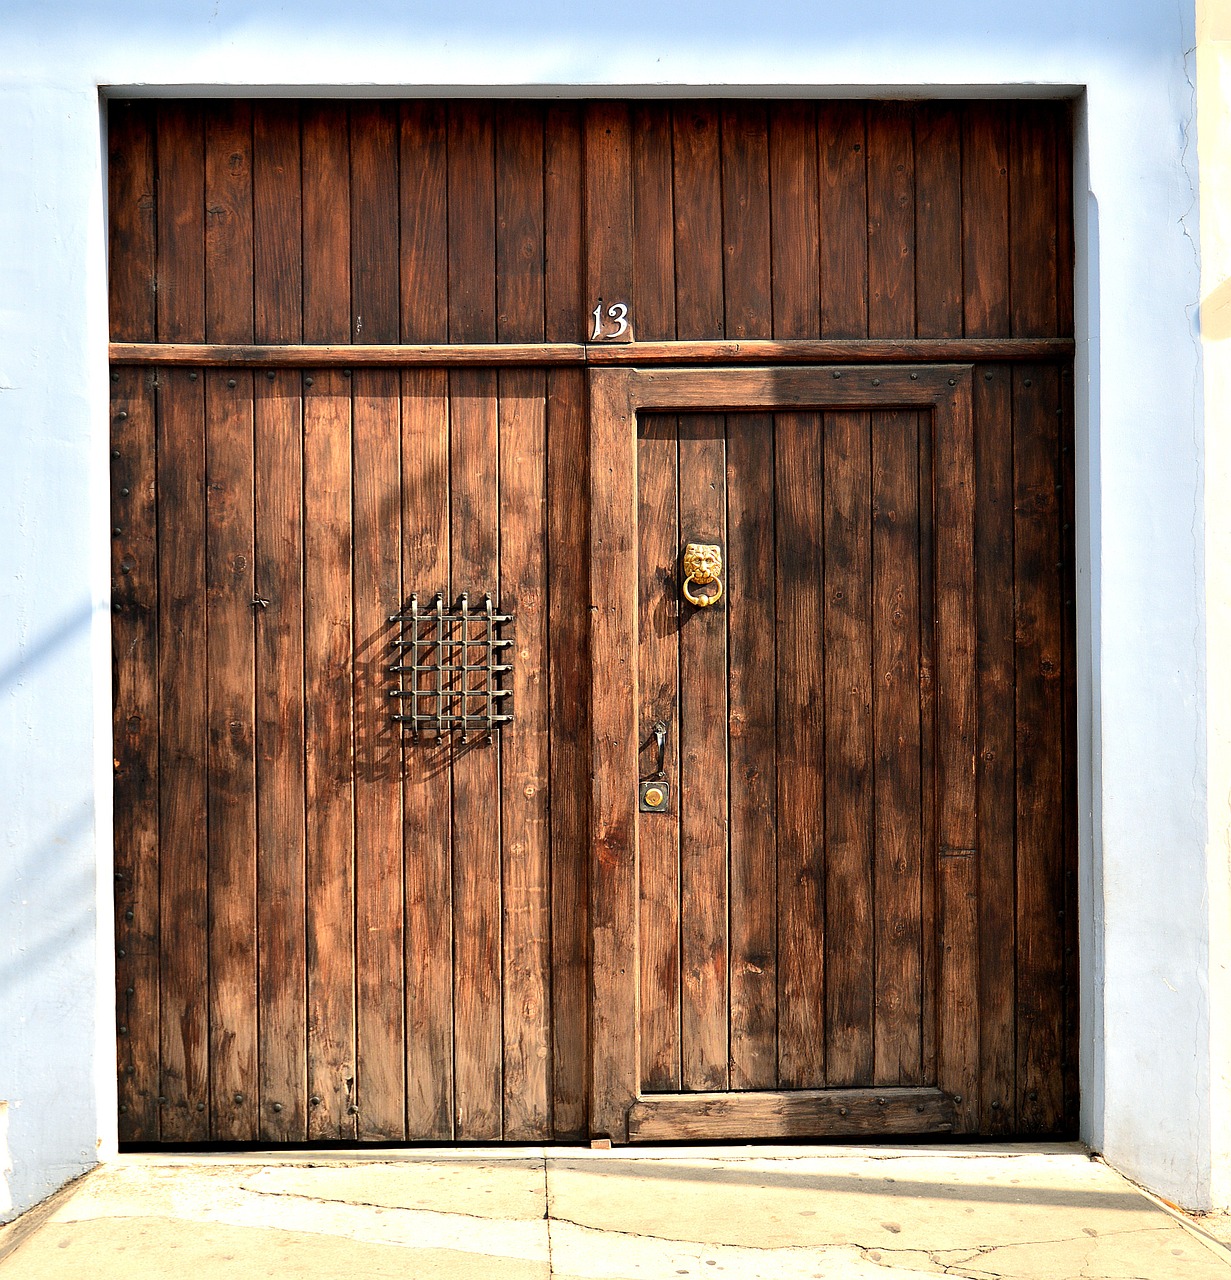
x,y
6,1160
1216,313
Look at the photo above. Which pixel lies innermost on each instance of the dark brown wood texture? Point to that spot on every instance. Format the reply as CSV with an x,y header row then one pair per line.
x,y
321,933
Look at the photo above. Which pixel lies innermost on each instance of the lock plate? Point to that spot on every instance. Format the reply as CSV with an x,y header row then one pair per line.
x,y
653,795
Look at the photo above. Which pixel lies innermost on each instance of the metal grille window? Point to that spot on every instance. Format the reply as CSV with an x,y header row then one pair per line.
x,y
451,668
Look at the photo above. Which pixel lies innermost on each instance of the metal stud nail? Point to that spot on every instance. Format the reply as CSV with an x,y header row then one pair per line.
x,y
995,1106
315,1100
239,1097
123,1108
115,377
1027,383
120,952
277,1106
124,493
123,413
128,915
987,377
200,1106
130,1071
837,373
842,1111
352,1110
123,1029
957,1097
269,373
115,453
128,991
230,382
117,530
162,1102
307,382
876,382
346,373
192,376
953,382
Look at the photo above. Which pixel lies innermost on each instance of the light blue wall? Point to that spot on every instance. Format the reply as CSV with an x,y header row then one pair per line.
x,y
1145,1041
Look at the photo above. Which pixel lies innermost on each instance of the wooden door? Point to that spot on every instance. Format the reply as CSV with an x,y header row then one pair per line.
x,y
350,351
784,950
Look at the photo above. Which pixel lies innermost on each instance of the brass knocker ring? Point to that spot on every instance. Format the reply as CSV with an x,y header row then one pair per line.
x,y
702,566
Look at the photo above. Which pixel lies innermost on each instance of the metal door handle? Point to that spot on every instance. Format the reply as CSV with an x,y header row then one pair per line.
x,y
653,790
658,736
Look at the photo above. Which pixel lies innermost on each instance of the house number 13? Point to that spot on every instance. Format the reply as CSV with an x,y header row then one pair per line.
x,y
613,325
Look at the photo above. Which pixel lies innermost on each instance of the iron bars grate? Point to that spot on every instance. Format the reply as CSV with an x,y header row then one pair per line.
x,y
451,667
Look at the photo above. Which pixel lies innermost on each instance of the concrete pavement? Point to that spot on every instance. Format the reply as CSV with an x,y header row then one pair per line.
x,y
737,1213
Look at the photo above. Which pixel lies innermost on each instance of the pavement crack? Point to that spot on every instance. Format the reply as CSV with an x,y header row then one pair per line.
x,y
369,1204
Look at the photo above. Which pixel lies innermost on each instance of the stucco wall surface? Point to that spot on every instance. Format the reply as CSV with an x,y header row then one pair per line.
x,y
1146,893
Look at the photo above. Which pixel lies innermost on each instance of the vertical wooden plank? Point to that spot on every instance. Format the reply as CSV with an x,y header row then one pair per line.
x,y
520,270
1032,221
800,696
753,777
658,605
985,221
131,221
568,558
1040,749
608,205
278,577
477,838
994,618
938,221
328,642
472,223
794,221
184,957
751,604
277,231
377,500
326,224
182,757
526,859
1064,219
524,760
563,269
427,791
229,625
897,872
653,284
695,129
614,700
891,221
704,990
474,488
375,199
745,222
277,235
134,622
842,172
658,834
181,224
956,714
134,650
568,565
232,764
427,787
850,927
424,222
379,943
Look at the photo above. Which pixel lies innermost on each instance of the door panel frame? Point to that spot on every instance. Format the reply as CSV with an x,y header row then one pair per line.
x,y
618,1109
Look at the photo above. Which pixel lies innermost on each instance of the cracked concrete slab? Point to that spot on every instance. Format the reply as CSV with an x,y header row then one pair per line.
x,y
479,1188
788,1213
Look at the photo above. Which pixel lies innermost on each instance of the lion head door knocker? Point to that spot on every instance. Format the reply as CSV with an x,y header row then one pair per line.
x,y
702,568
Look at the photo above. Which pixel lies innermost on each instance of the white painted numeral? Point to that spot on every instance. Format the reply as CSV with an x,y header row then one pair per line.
x,y
617,315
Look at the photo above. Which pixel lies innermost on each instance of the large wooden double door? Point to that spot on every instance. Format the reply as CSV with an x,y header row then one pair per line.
x,y
362,352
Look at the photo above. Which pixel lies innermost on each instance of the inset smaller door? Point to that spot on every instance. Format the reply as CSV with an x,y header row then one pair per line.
x,y
784,742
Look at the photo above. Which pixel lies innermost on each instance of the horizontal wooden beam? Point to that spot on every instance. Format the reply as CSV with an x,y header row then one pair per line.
x,y
789,1113
803,351
836,351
